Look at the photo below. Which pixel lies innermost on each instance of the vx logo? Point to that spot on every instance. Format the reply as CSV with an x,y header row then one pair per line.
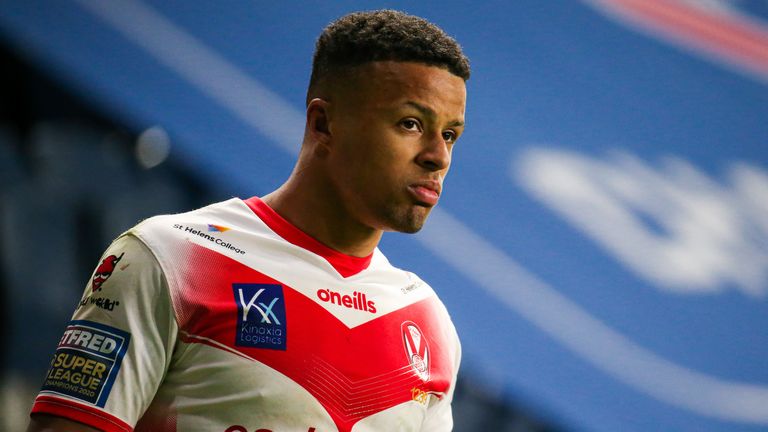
x,y
264,310
261,319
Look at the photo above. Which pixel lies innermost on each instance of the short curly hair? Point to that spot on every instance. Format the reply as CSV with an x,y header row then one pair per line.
x,y
382,35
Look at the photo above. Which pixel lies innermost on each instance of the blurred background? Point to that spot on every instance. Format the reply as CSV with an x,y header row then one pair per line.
x,y
603,242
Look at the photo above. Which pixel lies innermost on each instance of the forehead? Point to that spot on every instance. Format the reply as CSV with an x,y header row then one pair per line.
x,y
386,84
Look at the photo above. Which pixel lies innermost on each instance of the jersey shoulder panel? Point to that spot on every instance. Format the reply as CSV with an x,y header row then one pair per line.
x,y
115,351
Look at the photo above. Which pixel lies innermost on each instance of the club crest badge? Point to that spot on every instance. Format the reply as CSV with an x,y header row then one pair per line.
x,y
416,349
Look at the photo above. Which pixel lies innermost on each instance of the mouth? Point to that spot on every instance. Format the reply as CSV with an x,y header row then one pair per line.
x,y
426,192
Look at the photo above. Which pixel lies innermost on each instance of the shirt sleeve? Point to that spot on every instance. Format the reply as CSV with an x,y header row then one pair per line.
x,y
115,352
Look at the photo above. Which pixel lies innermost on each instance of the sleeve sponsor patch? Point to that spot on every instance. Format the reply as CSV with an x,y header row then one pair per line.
x,y
87,361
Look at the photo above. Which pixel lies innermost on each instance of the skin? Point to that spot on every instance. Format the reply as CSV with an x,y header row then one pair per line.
x,y
49,423
377,140
373,141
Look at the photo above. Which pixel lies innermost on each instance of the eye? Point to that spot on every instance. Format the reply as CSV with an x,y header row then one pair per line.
x,y
449,136
411,125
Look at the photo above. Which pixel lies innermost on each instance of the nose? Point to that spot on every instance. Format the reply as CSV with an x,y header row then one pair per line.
x,y
435,155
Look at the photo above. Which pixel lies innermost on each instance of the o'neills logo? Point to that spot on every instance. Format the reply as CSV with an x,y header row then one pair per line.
x,y
357,300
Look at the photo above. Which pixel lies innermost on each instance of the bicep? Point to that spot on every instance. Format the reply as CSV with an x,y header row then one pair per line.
x,y
115,351
51,423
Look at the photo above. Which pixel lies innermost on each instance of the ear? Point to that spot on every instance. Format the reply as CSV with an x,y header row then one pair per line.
x,y
318,123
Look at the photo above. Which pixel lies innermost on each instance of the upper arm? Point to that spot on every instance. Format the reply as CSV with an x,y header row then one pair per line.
x,y
114,353
49,423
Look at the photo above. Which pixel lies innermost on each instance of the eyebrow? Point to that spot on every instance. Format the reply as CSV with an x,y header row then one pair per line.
x,y
429,112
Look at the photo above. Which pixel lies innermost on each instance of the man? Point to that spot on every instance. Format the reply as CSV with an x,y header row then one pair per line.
x,y
280,313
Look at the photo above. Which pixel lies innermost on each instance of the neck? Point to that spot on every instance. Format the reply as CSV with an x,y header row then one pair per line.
x,y
315,208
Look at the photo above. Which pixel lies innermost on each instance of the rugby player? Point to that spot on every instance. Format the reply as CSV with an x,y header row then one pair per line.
x,y
280,313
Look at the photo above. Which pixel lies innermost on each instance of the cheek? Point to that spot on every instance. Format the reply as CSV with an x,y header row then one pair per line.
x,y
378,175
375,157
370,154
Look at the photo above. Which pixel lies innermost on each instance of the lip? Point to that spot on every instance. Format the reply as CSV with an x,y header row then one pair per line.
x,y
426,192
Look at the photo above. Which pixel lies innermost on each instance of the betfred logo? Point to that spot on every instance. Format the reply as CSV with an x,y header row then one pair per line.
x,y
104,271
91,340
87,361
357,300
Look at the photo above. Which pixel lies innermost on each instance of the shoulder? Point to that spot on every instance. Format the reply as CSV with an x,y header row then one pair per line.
x,y
229,210
408,282
127,257
162,232
125,273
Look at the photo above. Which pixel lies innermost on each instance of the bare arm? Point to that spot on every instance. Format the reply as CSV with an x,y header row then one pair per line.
x,y
49,423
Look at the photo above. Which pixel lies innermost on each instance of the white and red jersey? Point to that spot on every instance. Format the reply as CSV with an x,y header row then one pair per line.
x,y
229,318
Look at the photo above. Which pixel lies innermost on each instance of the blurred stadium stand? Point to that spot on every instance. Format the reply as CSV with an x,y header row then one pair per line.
x,y
71,181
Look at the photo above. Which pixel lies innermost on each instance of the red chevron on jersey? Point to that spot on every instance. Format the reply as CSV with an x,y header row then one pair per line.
x,y
353,373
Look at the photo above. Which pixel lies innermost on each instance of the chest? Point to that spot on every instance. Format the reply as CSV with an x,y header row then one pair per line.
x,y
303,335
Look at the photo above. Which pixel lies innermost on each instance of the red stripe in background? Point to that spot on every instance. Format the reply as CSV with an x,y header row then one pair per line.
x,y
728,36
